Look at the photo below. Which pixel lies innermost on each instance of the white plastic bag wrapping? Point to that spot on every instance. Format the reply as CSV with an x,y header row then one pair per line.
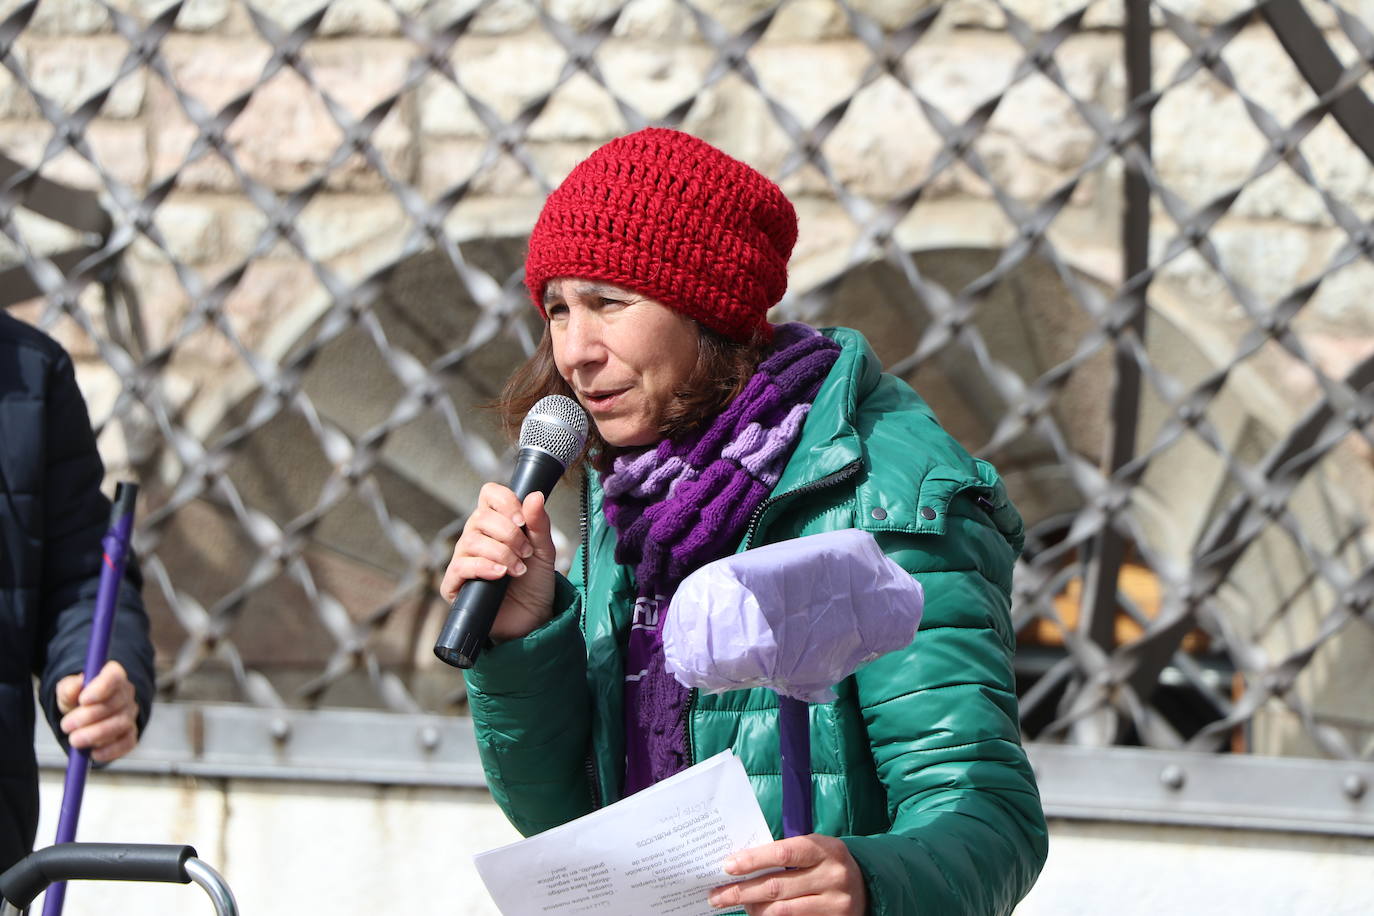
x,y
798,616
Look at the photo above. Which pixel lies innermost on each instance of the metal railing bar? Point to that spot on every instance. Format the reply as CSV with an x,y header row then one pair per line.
x,y
1318,64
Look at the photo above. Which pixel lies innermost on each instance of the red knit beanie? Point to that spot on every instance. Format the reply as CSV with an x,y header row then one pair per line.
x,y
673,218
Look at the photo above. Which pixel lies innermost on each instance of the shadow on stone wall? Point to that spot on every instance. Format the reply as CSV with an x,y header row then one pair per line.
x,y
425,479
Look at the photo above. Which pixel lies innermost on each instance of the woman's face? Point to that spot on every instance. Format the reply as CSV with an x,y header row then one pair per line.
x,y
623,354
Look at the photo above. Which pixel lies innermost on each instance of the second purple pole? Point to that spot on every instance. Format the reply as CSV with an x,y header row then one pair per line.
x,y
794,743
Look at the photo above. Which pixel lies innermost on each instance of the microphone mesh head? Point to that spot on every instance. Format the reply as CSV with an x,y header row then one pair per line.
x,y
557,425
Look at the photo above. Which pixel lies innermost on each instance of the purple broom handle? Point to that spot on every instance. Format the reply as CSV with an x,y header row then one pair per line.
x,y
794,742
115,545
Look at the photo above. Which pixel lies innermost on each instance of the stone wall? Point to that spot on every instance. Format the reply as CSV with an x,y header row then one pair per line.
x,y
1278,236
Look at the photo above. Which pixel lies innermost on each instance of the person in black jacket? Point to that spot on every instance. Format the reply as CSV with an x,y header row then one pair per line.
x,y
52,518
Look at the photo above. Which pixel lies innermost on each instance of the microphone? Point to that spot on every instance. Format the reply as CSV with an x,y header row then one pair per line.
x,y
551,436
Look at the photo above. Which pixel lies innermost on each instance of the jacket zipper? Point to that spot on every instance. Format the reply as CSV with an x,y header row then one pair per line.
x,y
829,480
584,529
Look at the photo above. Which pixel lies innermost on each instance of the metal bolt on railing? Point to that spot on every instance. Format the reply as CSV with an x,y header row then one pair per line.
x,y
280,729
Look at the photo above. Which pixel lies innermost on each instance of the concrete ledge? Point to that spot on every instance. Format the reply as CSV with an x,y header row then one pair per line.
x,y
1103,784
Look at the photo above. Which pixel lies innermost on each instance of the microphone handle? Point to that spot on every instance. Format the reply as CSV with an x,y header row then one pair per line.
x,y
465,632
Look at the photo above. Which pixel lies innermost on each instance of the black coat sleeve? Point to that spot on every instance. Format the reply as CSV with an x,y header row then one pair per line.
x,y
76,515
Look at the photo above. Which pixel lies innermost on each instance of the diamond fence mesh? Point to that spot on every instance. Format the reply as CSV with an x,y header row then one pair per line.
x,y
1122,249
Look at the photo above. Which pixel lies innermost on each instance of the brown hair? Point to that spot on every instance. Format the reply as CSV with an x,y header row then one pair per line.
x,y
722,369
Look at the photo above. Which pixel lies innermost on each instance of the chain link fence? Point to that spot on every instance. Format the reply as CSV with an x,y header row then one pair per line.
x,y
1123,249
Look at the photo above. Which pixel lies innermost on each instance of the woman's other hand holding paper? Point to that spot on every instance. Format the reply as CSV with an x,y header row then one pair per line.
x,y
821,878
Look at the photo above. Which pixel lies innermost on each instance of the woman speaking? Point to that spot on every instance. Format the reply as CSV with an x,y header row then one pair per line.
x,y
654,265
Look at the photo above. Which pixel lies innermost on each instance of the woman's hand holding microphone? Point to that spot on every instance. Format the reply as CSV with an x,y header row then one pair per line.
x,y
504,537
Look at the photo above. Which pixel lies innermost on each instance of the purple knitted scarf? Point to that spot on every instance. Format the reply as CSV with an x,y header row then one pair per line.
x,y
685,503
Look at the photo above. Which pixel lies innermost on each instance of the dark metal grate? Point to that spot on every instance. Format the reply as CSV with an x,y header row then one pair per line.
x,y
283,587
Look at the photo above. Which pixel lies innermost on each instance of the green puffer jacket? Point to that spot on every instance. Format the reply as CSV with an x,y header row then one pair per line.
x,y
918,763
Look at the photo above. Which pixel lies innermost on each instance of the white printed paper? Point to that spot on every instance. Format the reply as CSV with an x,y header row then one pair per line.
x,y
658,851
